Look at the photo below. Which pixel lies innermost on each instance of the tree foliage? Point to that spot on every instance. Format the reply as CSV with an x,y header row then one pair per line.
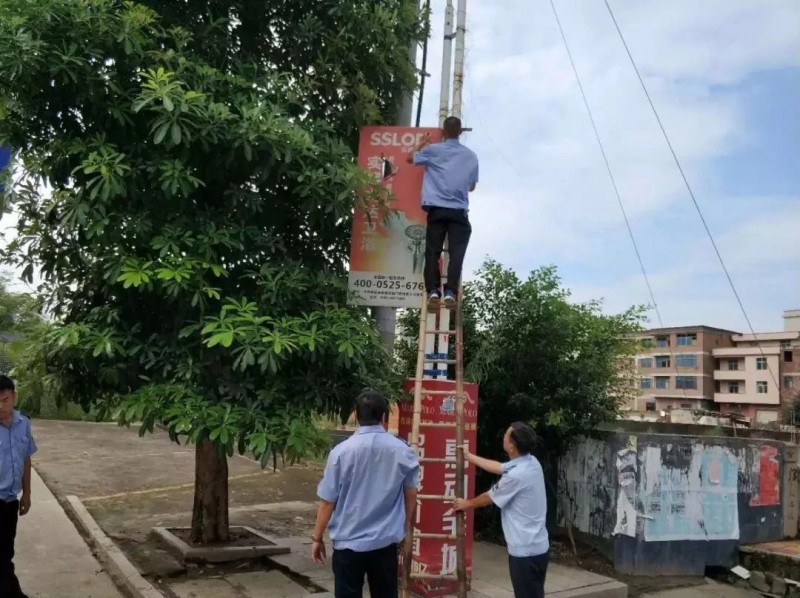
x,y
537,357
193,243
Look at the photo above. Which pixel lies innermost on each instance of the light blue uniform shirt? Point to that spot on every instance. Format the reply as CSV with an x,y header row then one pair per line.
x,y
16,445
365,476
451,169
521,496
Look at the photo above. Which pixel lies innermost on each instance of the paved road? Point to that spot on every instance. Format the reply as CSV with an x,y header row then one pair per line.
x,y
706,591
52,559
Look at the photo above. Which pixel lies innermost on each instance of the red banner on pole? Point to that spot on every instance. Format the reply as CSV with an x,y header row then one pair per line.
x,y
439,556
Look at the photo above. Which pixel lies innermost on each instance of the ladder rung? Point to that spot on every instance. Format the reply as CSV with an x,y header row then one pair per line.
x,y
435,497
436,460
438,424
451,576
425,536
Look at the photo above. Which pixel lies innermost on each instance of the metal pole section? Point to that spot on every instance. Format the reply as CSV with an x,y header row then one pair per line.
x,y
447,59
386,317
458,69
461,489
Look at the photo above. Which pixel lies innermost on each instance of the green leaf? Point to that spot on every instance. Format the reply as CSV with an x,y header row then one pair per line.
x,y
161,132
224,338
176,133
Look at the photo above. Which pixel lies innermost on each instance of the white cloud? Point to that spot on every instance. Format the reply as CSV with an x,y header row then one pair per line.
x,y
545,196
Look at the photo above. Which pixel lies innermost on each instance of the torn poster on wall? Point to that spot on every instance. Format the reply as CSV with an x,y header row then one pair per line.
x,y
626,499
689,492
768,492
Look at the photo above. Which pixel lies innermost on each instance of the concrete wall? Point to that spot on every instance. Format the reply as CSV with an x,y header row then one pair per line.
x,y
671,505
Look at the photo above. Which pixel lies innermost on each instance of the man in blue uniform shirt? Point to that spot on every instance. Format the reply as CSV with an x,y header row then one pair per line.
x,y
16,447
451,172
520,494
368,494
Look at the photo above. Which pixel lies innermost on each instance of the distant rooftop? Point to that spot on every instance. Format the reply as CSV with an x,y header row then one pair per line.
x,y
699,327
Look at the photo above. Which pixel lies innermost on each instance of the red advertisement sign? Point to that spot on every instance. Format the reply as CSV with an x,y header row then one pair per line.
x,y
386,258
435,516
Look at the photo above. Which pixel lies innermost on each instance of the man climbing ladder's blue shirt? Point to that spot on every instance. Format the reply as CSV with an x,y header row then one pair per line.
x,y
451,172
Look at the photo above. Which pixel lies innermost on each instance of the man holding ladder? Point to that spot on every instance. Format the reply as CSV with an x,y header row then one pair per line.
x,y
451,173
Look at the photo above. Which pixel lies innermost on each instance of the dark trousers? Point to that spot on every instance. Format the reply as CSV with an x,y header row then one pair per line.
x,y
454,224
9,585
379,567
527,575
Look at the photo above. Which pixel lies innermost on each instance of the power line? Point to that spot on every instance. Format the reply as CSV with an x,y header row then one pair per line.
x,y
688,187
616,189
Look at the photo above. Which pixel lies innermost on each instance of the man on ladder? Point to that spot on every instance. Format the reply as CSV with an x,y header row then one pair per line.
x,y
451,172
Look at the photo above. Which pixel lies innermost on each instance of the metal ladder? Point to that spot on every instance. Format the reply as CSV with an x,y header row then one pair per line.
x,y
439,355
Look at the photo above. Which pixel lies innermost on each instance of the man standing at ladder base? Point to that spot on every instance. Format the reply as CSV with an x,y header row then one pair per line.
x,y
451,172
520,494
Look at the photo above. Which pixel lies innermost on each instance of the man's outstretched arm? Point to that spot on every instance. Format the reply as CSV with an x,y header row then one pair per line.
x,y
426,141
483,500
488,465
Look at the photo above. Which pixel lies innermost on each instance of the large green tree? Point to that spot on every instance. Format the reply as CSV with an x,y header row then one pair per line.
x,y
537,357
185,188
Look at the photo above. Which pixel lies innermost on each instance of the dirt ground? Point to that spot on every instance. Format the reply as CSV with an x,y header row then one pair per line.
x,y
132,484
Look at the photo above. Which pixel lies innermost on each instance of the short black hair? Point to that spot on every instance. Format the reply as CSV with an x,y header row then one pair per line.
x,y
524,438
372,408
452,126
6,383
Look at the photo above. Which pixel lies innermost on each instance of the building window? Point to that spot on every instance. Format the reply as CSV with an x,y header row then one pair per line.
x,y
646,343
788,382
786,344
686,340
662,341
686,382
646,383
733,388
761,387
686,361
788,356
650,407
761,363
733,365
662,361
686,405
662,382
646,362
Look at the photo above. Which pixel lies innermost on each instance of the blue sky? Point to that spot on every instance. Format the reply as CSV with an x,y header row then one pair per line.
x,y
725,77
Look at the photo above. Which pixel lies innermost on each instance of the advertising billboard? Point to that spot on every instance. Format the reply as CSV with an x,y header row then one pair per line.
x,y
386,258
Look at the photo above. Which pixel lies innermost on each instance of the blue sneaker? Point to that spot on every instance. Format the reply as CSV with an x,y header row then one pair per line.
x,y
433,300
449,299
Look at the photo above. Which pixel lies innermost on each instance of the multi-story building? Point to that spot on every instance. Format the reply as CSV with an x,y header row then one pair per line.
x,y
675,367
758,377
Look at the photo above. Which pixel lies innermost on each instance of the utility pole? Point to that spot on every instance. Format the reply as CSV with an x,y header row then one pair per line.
x,y
386,317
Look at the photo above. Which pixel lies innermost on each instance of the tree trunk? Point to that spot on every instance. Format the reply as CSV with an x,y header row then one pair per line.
x,y
210,511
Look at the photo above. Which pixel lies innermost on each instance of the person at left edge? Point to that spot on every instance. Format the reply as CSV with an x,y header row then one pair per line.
x,y
16,447
368,494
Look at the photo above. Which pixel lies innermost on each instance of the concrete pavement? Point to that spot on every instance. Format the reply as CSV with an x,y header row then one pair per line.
x,y
52,559
706,591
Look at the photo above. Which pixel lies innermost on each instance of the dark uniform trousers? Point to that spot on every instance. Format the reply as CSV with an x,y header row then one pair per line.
x,y
528,574
9,584
453,224
378,566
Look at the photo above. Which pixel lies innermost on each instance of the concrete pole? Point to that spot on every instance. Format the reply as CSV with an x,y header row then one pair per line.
x,y
386,317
